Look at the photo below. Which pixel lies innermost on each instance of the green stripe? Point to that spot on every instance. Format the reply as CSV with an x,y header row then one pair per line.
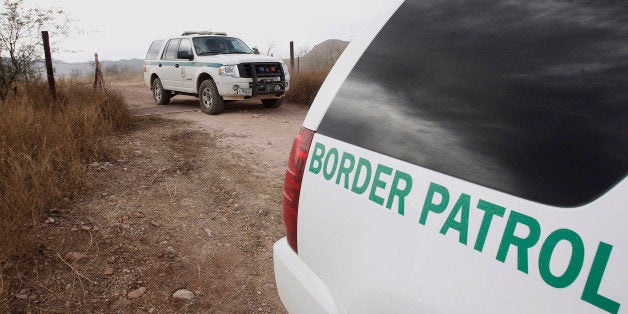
x,y
186,63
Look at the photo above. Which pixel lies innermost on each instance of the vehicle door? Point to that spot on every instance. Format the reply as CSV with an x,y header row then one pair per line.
x,y
166,68
184,67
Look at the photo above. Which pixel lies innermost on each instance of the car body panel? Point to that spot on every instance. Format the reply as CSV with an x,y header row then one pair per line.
x,y
455,245
300,288
182,75
378,251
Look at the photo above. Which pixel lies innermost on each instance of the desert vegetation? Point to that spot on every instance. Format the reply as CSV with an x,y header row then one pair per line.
x,y
45,144
311,69
122,74
20,41
305,85
45,150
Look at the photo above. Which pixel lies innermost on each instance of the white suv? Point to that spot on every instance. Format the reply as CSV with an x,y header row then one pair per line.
x,y
214,67
465,157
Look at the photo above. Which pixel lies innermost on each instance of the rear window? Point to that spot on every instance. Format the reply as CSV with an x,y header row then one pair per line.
x,y
526,97
153,51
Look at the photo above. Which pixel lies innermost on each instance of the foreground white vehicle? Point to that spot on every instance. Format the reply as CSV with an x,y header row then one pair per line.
x,y
465,157
215,68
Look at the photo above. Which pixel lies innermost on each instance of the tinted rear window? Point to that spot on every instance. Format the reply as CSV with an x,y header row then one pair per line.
x,y
153,51
526,97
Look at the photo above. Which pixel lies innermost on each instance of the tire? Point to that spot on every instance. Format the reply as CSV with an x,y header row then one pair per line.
x,y
211,102
272,103
161,96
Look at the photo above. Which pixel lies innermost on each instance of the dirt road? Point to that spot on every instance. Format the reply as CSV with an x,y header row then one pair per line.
x,y
187,201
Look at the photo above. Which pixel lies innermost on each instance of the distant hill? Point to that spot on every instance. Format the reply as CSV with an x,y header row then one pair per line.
x,y
85,68
125,65
323,55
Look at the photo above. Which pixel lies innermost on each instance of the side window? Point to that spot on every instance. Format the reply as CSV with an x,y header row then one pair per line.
x,y
153,51
171,50
186,45
501,94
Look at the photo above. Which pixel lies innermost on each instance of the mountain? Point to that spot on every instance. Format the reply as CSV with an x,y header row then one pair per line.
x,y
322,56
125,65
62,68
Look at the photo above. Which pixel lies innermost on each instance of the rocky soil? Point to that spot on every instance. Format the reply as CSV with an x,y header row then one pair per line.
x,y
181,217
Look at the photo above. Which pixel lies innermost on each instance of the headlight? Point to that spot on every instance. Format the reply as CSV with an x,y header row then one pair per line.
x,y
229,70
285,69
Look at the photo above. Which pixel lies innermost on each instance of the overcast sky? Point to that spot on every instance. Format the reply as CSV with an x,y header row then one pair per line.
x,y
118,29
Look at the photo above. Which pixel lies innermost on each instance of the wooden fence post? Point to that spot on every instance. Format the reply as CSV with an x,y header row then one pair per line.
x,y
291,56
98,79
49,71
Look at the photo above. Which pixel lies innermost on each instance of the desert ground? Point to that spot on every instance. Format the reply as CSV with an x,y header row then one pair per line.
x,y
180,217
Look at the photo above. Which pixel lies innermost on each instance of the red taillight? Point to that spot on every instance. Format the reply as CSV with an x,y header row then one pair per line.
x,y
292,183
144,66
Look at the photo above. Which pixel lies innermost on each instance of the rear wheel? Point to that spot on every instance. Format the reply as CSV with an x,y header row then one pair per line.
x,y
162,96
211,101
272,103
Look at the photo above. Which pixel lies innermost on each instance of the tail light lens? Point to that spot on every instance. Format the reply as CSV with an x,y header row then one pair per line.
x,y
144,66
292,183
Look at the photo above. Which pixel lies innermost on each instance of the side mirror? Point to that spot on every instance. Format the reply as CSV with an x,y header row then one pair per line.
x,y
255,50
185,55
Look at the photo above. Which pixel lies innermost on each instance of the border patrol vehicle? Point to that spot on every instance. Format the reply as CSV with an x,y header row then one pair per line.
x,y
465,157
215,68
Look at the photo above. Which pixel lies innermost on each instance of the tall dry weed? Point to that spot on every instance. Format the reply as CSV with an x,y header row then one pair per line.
x,y
305,85
45,148
125,77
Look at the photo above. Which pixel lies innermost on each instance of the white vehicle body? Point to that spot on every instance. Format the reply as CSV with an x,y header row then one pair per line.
x,y
378,234
237,75
185,77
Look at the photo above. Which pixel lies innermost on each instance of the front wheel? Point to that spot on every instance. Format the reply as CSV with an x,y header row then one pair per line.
x,y
162,96
272,103
211,101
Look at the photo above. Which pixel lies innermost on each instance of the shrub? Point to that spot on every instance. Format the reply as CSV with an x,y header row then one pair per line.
x,y
305,85
124,77
45,148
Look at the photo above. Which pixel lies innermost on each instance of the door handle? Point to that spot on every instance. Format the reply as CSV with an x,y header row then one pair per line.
x,y
176,65
160,65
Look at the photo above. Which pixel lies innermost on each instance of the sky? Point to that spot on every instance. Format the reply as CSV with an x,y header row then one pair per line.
x,y
124,29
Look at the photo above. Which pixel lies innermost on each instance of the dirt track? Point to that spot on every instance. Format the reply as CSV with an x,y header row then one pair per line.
x,y
185,201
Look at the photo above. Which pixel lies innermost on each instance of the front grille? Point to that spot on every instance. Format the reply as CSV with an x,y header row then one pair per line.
x,y
268,77
260,69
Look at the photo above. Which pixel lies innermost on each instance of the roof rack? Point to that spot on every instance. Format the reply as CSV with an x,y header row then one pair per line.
x,y
203,33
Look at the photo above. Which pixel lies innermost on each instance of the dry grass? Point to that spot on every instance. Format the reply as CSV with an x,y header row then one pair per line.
x,y
123,77
305,85
110,78
45,149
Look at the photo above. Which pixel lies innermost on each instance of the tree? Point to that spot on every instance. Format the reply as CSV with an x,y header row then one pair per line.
x,y
270,50
20,40
303,50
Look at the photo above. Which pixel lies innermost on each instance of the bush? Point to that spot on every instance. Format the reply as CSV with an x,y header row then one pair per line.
x,y
45,148
305,85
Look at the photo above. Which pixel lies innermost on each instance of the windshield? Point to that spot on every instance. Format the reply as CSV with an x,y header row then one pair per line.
x,y
211,45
